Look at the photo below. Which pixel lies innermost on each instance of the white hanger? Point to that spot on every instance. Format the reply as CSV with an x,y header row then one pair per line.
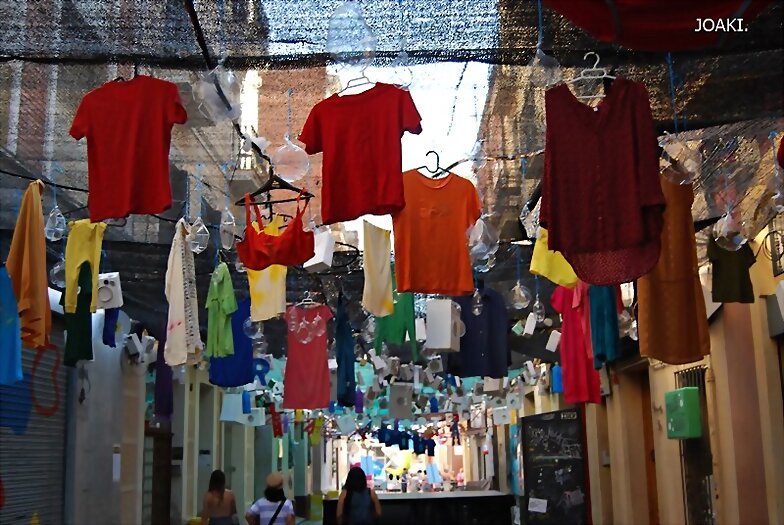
x,y
362,80
307,300
591,73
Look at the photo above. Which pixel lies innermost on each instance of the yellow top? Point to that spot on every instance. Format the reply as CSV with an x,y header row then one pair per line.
x,y
550,264
268,286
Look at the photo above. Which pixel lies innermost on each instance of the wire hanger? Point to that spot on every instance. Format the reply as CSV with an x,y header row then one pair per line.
x,y
307,300
438,170
362,80
591,73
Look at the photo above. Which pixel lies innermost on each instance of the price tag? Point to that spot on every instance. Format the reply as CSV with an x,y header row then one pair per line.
x,y
537,505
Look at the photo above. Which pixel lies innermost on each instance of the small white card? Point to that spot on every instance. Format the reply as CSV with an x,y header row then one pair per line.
x,y
332,364
537,505
530,324
552,343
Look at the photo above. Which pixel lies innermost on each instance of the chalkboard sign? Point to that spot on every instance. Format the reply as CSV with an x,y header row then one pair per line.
x,y
554,470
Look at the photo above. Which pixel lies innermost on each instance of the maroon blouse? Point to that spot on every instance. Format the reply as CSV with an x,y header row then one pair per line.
x,y
602,202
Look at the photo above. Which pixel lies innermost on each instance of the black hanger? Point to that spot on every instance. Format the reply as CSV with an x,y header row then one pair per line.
x,y
438,169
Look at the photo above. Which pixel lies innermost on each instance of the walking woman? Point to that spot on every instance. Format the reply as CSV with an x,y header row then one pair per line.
x,y
357,505
219,506
273,508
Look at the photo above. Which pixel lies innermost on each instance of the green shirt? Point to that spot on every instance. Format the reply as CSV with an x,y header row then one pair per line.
x,y
392,329
79,325
221,303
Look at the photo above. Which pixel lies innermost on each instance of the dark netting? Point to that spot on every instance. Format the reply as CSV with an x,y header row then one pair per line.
x,y
51,53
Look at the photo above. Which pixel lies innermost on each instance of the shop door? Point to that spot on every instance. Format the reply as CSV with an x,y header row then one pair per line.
x,y
32,439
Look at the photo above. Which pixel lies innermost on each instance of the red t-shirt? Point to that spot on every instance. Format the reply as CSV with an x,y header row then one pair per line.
x,y
128,128
360,137
306,378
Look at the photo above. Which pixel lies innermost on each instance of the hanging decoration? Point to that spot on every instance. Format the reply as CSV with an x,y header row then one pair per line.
x,y
218,107
350,41
290,161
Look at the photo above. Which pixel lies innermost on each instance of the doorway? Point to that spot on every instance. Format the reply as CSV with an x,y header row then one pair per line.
x,y
649,449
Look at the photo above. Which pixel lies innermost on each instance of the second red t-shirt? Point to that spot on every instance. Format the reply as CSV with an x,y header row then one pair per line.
x,y
360,137
128,128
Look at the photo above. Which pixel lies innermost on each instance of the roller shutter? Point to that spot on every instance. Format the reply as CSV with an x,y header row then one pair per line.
x,y
32,439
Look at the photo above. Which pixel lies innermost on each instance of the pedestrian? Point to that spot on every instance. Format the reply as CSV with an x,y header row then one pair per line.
x,y
273,508
357,504
218,505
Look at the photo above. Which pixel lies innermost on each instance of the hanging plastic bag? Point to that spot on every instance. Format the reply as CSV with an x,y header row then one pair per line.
x,y
350,40
728,233
545,70
199,237
55,227
290,161
228,228
210,103
680,163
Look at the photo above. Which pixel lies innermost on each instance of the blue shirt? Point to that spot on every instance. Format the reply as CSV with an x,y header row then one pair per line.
x,y
237,369
556,380
484,349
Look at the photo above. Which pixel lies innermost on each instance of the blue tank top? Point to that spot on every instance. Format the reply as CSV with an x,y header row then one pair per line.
x,y
360,511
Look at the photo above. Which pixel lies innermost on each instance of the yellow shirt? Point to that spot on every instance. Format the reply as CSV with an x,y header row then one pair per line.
x,y
268,286
551,265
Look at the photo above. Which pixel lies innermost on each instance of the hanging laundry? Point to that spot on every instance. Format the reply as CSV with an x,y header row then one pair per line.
x,y
344,350
268,286
605,305
601,199
731,279
238,368
580,380
10,333
258,250
400,325
26,266
360,137
110,317
121,119
484,348
221,303
306,379
79,324
83,246
672,323
376,261
551,265
183,342
431,247
556,379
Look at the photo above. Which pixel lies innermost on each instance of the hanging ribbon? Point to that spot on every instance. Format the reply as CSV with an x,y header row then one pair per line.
x,y
277,426
671,72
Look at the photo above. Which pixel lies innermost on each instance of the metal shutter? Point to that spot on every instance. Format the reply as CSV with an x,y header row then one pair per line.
x,y
32,438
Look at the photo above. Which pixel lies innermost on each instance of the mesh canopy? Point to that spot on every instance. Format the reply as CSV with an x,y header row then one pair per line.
x,y
469,58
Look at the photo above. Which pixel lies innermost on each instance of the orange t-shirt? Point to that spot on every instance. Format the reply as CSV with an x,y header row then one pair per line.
x,y
431,245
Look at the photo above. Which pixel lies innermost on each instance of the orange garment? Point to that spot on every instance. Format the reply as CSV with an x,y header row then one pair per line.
x,y
431,246
672,323
26,266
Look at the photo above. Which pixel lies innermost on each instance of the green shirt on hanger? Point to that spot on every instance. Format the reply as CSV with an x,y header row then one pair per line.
x,y
393,328
221,303
79,325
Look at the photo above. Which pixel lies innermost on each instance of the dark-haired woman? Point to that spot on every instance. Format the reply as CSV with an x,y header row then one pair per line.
x,y
358,504
219,506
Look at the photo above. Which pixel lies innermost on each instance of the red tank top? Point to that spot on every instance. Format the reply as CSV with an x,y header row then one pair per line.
x,y
259,250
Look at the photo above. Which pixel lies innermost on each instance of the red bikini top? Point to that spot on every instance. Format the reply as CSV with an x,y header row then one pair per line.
x,y
258,250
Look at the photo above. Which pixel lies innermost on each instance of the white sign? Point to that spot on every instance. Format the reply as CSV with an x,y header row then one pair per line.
x,y
537,505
